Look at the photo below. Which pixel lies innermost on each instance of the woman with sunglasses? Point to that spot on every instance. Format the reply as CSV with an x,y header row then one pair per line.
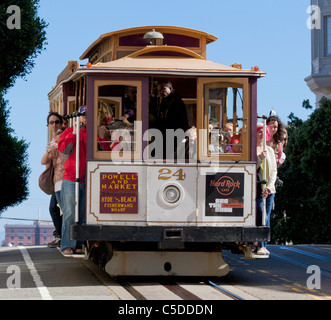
x,y
54,122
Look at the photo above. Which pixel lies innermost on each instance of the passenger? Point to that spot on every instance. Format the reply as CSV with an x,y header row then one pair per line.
x,y
269,191
65,123
228,129
228,135
187,150
235,143
67,145
129,117
103,138
213,124
283,138
217,142
108,115
171,115
120,137
130,103
54,122
275,127
192,142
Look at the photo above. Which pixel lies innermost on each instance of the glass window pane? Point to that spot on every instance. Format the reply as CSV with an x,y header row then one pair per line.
x,y
328,36
225,116
117,118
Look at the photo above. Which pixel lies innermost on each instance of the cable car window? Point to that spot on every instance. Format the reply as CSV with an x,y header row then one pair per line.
x,y
117,120
225,114
225,117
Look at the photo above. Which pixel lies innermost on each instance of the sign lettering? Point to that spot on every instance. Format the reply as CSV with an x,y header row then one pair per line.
x,y
119,193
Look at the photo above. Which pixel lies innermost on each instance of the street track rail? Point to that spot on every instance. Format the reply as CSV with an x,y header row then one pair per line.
x,y
227,292
178,289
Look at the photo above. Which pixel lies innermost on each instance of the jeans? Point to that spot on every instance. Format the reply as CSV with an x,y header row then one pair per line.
x,y
54,211
269,205
68,207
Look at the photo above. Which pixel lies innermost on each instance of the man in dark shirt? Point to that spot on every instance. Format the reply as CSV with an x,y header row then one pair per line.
x,y
171,115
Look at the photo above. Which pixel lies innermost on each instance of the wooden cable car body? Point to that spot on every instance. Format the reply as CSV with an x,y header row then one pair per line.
x,y
148,215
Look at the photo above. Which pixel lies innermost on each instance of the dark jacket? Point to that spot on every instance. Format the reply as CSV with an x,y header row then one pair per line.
x,y
172,113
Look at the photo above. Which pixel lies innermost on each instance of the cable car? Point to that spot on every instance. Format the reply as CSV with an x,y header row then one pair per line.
x,y
164,202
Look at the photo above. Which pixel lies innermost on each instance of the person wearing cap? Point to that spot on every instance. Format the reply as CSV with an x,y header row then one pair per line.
x,y
67,145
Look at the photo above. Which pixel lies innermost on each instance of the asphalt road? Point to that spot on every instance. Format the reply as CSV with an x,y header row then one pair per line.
x,y
291,273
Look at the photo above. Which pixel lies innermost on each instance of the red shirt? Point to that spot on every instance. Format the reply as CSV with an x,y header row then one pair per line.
x,y
67,145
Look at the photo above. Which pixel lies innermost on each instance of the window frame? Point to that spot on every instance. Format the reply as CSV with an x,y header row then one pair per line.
x,y
122,155
203,120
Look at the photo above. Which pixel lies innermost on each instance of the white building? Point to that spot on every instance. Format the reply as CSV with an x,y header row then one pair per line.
x,y
319,81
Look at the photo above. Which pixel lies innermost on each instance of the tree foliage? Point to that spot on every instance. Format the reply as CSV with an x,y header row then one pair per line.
x,y
302,213
14,170
19,47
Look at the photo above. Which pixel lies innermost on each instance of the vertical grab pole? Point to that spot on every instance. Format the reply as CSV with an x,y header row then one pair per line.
x,y
77,170
264,168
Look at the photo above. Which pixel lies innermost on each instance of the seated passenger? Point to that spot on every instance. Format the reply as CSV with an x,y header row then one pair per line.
x,y
216,142
129,117
120,138
108,115
103,138
228,129
236,143
130,103
213,124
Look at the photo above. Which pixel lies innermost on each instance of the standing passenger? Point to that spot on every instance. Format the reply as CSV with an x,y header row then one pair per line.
x,y
269,191
67,145
276,128
54,122
171,114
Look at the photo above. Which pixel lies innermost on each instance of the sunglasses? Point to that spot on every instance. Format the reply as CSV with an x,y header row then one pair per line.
x,y
56,122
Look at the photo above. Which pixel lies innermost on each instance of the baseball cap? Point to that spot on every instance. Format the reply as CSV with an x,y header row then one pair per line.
x,y
82,110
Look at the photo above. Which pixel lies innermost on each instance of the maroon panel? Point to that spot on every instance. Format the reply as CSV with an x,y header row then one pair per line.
x,y
180,40
165,53
137,40
119,192
134,40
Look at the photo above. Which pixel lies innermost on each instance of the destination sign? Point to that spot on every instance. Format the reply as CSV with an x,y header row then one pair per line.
x,y
119,192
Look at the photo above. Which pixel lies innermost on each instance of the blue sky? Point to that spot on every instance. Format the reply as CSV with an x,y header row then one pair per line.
x,y
270,34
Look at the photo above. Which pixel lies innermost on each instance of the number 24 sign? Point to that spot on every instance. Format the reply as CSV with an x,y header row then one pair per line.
x,y
166,174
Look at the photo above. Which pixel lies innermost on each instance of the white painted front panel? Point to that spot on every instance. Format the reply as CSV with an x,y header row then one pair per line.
x,y
192,207
159,211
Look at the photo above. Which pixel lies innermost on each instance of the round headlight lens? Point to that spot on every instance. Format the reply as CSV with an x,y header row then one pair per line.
x,y
171,194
